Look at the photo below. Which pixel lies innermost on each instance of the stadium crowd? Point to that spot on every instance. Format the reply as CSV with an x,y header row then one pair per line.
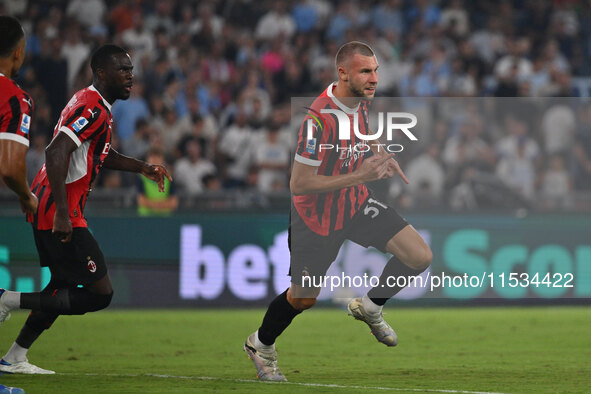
x,y
213,83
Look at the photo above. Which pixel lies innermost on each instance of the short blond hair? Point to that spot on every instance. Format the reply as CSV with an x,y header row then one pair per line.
x,y
351,48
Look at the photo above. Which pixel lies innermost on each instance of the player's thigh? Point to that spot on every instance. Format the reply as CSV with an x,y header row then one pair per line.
x,y
410,248
46,248
77,262
375,224
311,254
89,262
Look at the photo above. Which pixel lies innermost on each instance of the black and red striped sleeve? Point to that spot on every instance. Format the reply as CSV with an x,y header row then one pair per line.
x,y
83,122
15,116
314,138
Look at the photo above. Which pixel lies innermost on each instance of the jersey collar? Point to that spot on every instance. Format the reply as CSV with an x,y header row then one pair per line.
x,y
339,104
91,87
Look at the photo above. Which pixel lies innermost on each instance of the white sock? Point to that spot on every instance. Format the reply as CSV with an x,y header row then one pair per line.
x,y
370,306
11,299
16,354
261,346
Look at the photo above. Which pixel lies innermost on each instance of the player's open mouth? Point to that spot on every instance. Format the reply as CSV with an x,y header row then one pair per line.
x,y
128,88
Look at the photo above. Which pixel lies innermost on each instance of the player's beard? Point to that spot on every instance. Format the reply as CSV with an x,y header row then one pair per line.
x,y
358,91
14,71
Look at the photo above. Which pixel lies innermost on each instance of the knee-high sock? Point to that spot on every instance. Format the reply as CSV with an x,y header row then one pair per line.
x,y
36,323
395,269
66,301
279,315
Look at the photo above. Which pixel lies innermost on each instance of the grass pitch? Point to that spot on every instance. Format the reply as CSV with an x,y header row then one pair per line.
x,y
537,349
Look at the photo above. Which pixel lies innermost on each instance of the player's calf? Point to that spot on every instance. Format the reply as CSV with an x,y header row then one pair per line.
x,y
419,258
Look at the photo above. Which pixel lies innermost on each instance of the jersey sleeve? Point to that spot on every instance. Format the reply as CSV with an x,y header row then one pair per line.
x,y
313,140
83,123
16,119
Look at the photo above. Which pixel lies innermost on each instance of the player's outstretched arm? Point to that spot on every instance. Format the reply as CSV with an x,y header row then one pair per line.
x,y
305,180
57,159
155,172
13,170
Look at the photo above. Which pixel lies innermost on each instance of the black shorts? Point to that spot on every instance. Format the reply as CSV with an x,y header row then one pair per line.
x,y
312,254
78,262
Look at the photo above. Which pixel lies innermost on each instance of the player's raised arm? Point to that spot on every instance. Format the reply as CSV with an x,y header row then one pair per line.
x,y
155,172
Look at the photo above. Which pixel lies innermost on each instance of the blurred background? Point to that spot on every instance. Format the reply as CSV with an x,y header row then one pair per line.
x,y
212,76
211,100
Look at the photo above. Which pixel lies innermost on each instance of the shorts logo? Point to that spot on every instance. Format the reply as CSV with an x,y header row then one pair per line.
x,y
91,265
25,124
79,123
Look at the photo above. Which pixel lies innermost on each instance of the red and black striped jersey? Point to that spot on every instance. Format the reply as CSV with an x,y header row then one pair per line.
x,y
16,109
87,120
321,144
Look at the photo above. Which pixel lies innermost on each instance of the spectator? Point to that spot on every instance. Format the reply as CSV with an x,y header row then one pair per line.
x,y
235,147
213,63
275,23
36,155
489,43
427,176
455,19
343,20
558,128
127,112
52,71
211,183
88,13
123,15
387,16
192,168
556,183
75,52
207,25
141,141
149,200
467,149
272,160
305,16
515,64
162,18
171,128
518,156
582,150
139,39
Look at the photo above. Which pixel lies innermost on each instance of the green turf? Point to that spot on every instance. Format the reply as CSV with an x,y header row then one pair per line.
x,y
539,349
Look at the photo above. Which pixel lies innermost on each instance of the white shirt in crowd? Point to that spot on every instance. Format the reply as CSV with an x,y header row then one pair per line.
x,y
189,176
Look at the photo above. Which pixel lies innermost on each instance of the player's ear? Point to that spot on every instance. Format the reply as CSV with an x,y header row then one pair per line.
x,y
100,73
343,75
19,52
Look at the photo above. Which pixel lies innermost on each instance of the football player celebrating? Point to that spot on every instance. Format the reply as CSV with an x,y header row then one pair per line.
x,y
80,147
330,203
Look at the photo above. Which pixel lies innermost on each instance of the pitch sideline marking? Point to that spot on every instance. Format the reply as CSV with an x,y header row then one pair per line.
x,y
338,386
